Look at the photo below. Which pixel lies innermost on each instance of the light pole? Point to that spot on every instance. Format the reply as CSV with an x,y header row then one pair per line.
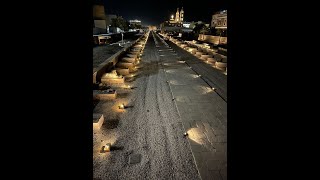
x,y
122,37
121,44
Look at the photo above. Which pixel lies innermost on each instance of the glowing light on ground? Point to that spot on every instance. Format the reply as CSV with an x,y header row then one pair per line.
x,y
196,135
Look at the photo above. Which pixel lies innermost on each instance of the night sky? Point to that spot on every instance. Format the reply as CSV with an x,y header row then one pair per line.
x,y
154,12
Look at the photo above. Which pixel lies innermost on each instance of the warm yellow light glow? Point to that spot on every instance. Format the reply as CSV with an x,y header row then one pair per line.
x,y
172,16
194,76
196,135
185,134
107,147
102,150
121,106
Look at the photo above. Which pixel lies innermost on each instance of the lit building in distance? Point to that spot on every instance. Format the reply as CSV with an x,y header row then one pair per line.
x,y
179,16
175,21
135,22
219,20
186,24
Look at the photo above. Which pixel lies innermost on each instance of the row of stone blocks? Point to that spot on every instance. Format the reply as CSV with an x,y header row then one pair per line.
x,y
123,67
127,64
199,52
222,64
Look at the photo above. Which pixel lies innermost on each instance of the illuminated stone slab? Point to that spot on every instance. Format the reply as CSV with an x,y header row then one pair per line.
x,y
98,120
221,65
123,71
113,81
205,56
212,60
132,70
132,55
192,50
112,78
128,59
138,46
183,45
198,54
109,94
136,49
124,65
134,52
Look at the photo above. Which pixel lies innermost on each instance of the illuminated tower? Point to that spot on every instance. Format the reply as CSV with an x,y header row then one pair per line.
x,y
177,16
181,15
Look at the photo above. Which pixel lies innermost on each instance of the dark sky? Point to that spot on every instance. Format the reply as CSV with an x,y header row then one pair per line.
x,y
153,12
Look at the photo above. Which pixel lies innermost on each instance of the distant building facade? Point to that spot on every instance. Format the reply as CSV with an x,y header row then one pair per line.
x,y
219,20
179,16
135,22
186,24
175,23
99,19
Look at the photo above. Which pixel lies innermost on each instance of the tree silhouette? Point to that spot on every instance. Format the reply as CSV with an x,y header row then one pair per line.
x,y
120,23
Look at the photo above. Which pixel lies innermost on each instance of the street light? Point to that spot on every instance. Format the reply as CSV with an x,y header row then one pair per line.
x,y
121,106
107,147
